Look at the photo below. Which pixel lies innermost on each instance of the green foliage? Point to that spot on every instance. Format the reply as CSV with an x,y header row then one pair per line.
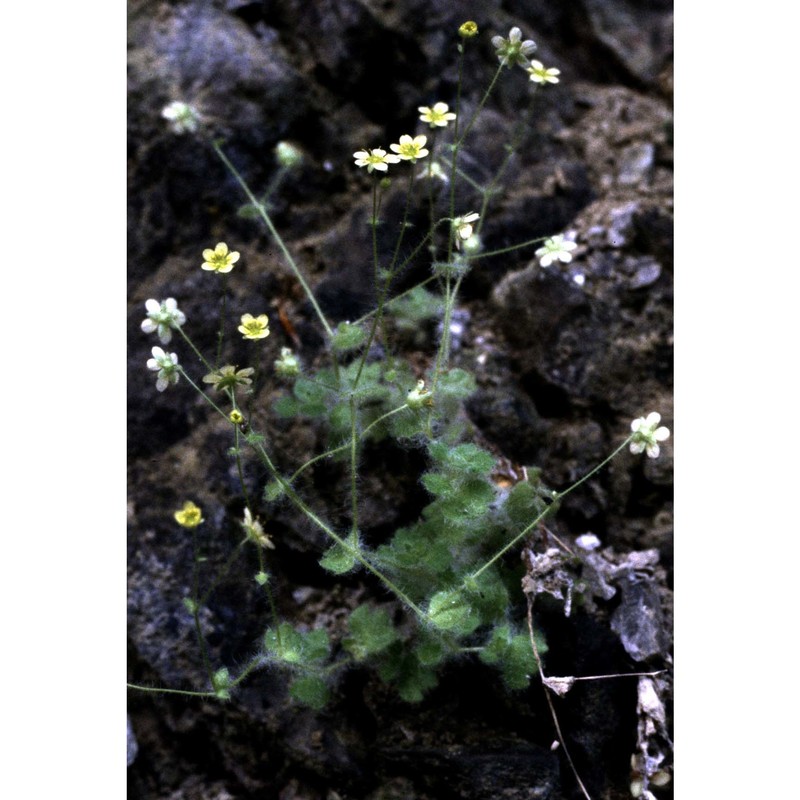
x,y
451,610
513,654
293,647
310,399
339,559
411,678
310,690
348,337
414,308
371,632
221,681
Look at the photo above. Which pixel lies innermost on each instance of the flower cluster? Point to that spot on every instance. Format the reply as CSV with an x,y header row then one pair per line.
x,y
408,149
647,435
166,365
254,327
557,248
219,259
513,50
438,116
162,317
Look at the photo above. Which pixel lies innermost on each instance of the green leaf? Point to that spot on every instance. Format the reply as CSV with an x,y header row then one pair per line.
x,y
295,647
413,686
430,650
284,644
338,559
457,384
371,632
513,654
414,308
437,483
471,501
488,595
347,337
272,491
311,397
316,645
412,679
469,459
450,611
310,690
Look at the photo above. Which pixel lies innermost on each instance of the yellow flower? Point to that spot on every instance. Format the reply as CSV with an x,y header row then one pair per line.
x,y
468,30
410,149
236,417
190,516
254,327
219,259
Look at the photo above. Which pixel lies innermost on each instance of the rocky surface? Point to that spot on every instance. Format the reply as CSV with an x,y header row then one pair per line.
x,y
564,359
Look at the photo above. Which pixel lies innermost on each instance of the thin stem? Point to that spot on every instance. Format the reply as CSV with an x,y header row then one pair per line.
x,y
275,235
196,351
562,495
550,699
196,608
396,297
159,690
221,574
295,498
222,316
353,471
344,447
557,497
203,394
480,105
512,247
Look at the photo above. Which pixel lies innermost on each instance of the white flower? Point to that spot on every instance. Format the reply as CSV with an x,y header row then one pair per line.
x,y
540,74
375,159
647,435
462,226
434,170
166,365
183,117
471,245
513,50
255,532
287,155
556,248
162,317
438,116
419,397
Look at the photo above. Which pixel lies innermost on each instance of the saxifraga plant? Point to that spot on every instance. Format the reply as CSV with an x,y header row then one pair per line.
x,y
447,570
